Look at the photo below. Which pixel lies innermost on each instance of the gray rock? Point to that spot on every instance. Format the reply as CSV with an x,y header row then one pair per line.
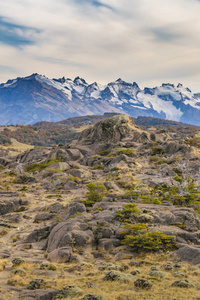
x,y
4,254
69,234
63,166
8,206
38,235
189,253
43,217
61,255
145,218
76,173
109,243
47,294
93,297
74,208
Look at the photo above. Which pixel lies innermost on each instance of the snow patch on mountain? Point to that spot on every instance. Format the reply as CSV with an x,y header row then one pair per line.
x,y
9,83
166,90
63,97
55,84
159,105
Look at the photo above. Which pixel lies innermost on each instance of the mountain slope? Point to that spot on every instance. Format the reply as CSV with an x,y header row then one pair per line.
x,y
36,98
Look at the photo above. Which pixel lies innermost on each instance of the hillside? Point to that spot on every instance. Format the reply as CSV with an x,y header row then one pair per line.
x,y
37,98
113,214
63,132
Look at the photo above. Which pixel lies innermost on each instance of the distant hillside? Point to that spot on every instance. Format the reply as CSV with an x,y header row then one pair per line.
x,y
50,133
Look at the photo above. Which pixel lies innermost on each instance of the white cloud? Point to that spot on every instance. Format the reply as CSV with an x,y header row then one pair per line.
x,y
139,40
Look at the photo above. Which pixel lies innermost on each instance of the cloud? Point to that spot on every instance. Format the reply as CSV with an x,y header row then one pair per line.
x,y
139,40
93,2
15,35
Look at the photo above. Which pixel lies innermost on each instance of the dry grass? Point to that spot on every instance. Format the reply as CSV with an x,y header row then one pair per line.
x,y
67,274
3,263
16,147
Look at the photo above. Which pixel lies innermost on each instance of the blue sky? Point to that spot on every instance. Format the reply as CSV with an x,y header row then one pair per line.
x,y
147,41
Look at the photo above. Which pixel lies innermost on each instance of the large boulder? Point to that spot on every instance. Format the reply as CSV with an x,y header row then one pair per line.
x,y
61,255
189,253
113,130
171,215
70,233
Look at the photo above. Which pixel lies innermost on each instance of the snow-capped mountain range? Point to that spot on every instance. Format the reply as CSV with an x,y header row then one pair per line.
x,y
36,98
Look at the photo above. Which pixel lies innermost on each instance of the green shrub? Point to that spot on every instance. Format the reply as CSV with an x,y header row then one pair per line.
x,y
130,194
98,167
143,240
103,153
178,179
96,192
157,150
42,166
75,167
130,211
127,151
75,179
177,171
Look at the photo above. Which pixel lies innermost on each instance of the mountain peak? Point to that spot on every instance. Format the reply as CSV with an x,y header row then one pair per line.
x,y
79,81
179,85
168,85
38,98
135,85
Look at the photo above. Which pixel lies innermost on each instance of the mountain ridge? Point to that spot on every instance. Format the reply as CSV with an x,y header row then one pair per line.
x,y
37,98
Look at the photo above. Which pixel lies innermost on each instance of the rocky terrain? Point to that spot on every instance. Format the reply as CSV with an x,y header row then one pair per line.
x,y
112,215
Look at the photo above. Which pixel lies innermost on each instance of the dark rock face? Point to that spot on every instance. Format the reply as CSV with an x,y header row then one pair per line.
x,y
69,233
8,206
38,235
189,253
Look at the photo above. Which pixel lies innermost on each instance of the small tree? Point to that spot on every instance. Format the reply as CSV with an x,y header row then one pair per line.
x,y
96,192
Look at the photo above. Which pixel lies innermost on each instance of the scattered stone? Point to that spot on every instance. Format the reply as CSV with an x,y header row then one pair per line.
x,y
119,276
135,272
18,261
177,266
36,284
93,297
145,218
91,285
167,267
109,266
154,268
47,294
4,254
183,284
157,274
69,292
20,272
180,274
143,284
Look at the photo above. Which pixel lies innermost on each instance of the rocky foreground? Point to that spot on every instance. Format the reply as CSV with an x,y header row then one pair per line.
x,y
114,215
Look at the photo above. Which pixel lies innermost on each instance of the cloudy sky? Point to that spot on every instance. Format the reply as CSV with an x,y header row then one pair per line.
x,y
147,41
